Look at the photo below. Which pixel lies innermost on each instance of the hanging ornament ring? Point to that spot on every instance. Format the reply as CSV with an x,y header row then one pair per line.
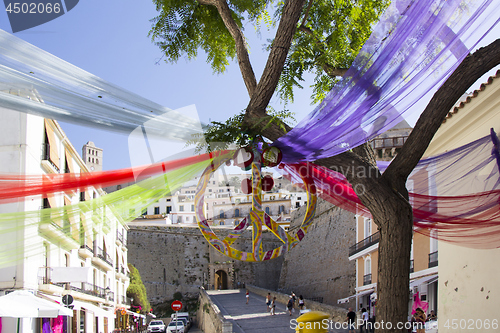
x,y
256,219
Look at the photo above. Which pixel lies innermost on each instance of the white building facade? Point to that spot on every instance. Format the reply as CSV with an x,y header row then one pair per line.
x,y
82,255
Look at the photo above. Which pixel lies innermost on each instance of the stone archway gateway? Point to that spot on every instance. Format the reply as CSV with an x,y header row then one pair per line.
x,y
221,275
221,280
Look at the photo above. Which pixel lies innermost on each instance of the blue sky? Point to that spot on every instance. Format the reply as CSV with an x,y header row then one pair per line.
x,y
110,39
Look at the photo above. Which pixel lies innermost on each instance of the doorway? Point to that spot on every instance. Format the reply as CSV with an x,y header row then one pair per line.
x,y
220,280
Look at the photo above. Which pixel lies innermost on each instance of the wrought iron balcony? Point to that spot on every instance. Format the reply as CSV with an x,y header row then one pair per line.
x,y
393,142
433,259
90,289
100,253
365,243
45,276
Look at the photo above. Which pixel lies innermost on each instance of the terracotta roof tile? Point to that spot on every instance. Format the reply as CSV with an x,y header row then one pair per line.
x,y
472,95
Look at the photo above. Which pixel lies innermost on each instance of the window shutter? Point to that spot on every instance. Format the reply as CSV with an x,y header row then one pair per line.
x,y
53,152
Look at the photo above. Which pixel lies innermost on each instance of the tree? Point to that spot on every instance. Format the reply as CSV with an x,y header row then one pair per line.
x,y
137,291
384,195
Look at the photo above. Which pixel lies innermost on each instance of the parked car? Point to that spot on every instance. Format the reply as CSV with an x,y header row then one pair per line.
x,y
156,326
176,327
184,316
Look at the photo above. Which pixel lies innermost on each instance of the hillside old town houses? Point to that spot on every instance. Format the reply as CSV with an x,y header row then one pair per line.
x,y
81,255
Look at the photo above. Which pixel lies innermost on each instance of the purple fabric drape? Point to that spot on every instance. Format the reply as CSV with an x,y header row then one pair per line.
x,y
415,46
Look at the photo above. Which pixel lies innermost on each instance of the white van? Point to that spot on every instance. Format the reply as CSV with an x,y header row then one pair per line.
x,y
184,315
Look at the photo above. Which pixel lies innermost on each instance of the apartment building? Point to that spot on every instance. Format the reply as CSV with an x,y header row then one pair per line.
x,y
83,255
468,276
424,250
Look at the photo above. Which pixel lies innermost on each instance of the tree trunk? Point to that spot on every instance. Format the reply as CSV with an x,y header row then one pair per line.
x,y
395,221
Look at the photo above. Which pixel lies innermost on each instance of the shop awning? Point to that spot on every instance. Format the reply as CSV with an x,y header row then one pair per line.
x,y
428,279
361,293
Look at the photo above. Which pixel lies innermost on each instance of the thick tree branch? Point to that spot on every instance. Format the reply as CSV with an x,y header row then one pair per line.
x,y
275,62
241,50
306,14
469,71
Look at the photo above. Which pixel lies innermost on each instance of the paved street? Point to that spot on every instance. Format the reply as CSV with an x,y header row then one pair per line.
x,y
253,317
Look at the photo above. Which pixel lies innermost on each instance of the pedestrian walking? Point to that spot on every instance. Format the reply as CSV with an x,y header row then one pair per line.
x,y
294,298
364,316
289,305
301,302
351,320
273,306
268,302
247,295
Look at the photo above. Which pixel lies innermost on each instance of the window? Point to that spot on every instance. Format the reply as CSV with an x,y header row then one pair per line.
x,y
268,211
433,241
89,159
181,208
368,227
169,199
282,209
157,210
210,190
273,197
368,266
187,218
236,212
297,204
221,215
169,209
192,208
299,198
97,160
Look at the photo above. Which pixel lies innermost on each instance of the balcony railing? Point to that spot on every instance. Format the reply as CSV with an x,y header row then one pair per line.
x,y
367,279
120,237
411,266
90,289
388,142
45,276
86,247
100,253
365,243
433,259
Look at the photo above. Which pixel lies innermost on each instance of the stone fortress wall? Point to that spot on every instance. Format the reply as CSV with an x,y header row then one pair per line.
x,y
178,259
174,259
319,267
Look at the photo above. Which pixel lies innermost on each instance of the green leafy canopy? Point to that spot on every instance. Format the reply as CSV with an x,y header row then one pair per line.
x,y
185,26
